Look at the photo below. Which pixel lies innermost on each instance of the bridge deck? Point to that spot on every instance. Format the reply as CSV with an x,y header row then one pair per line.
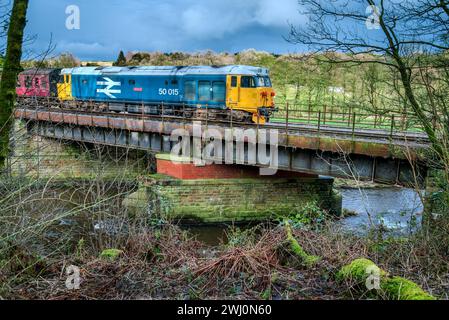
x,y
376,137
366,154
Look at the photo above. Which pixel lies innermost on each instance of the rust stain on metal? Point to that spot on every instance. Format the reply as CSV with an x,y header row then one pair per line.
x,y
100,122
372,149
117,123
56,117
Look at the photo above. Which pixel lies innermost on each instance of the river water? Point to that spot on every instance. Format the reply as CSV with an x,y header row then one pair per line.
x,y
396,210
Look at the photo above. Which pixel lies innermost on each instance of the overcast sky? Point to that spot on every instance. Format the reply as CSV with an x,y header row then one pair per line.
x,y
107,26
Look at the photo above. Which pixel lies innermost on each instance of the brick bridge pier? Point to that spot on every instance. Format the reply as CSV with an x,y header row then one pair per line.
x,y
228,193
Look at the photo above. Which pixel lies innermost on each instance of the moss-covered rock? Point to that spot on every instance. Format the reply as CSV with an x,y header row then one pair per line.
x,y
136,203
110,254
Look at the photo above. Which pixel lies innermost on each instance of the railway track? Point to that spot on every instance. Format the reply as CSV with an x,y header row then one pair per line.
x,y
361,133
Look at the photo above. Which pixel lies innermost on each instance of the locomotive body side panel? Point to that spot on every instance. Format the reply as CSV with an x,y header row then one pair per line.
x,y
126,88
202,90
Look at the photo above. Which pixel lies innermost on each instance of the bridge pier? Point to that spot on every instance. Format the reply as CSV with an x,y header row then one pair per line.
x,y
227,193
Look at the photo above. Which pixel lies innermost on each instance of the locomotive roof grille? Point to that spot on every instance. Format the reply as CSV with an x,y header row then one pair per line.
x,y
169,70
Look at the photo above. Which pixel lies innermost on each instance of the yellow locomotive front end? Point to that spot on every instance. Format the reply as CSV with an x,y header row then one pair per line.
x,y
252,95
65,85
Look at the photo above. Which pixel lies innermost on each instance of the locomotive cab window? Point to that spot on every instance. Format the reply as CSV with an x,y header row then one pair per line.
x,y
204,90
263,82
190,90
234,81
247,82
218,91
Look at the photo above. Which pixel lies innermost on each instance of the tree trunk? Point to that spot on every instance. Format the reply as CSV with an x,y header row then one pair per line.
x,y
11,68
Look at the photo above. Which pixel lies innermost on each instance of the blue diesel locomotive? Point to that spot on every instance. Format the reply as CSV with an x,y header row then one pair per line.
x,y
244,91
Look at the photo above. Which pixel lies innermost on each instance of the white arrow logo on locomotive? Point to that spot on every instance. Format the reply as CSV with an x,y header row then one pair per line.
x,y
108,89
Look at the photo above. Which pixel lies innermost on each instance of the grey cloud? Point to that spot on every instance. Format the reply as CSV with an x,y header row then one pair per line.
x,y
176,25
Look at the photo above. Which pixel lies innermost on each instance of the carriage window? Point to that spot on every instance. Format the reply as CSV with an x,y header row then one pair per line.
x,y
234,81
36,82
247,82
44,84
218,91
189,91
204,90
28,82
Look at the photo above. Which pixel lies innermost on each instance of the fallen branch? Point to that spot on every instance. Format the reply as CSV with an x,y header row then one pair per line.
x,y
363,271
308,260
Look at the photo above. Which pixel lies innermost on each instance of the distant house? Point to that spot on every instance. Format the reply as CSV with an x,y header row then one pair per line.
x,y
97,63
336,89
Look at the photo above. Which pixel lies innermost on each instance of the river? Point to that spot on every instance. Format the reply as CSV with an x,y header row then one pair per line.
x,y
396,210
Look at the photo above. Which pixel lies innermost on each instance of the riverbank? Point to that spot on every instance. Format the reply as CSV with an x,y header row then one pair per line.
x,y
48,225
45,230
166,263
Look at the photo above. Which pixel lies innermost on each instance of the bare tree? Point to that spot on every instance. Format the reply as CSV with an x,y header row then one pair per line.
x,y
396,35
411,40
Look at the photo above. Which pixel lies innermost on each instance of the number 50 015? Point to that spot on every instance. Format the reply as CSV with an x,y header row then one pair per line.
x,y
170,92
